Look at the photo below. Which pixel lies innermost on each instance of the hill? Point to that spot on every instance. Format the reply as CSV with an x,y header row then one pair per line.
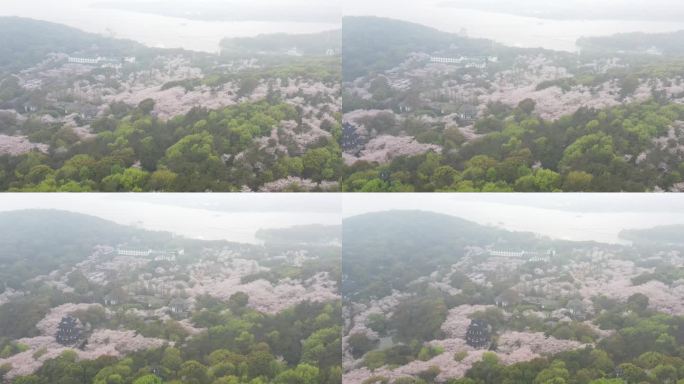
x,y
313,44
372,44
36,242
661,235
387,250
668,44
303,234
26,42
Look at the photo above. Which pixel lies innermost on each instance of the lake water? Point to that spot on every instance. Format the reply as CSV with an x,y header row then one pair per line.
x,y
508,29
171,32
564,224
236,217
196,223
149,29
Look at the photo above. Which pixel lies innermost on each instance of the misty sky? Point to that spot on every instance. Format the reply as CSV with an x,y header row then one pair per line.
x,y
531,23
233,217
598,217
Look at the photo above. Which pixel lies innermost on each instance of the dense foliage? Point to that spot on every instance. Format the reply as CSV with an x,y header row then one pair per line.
x,y
627,342
232,342
239,345
631,147
135,151
646,348
591,150
227,149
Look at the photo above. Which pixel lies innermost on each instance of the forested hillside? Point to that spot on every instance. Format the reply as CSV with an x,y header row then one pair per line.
x,y
237,345
372,44
305,234
190,311
26,42
431,298
664,235
387,250
668,44
592,150
427,111
81,112
318,44
38,242
134,151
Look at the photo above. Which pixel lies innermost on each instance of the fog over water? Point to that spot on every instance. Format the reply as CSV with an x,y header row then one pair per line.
x,y
531,23
198,216
193,25
577,217
236,217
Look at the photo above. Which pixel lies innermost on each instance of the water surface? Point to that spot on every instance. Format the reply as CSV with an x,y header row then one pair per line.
x,y
509,29
151,29
187,221
519,215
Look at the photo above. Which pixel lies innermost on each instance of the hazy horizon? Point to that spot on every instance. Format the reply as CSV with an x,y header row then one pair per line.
x,y
573,217
198,26
530,23
198,216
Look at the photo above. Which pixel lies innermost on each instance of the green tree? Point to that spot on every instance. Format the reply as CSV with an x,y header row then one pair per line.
x,y
419,318
148,379
360,344
193,372
302,374
196,162
577,181
146,106
171,359
638,303
557,373
238,302
323,347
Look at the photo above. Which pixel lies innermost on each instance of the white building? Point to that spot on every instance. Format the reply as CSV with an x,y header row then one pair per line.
x,y
167,255
479,62
294,52
133,252
84,60
156,255
478,65
109,62
539,259
506,253
447,60
112,65
531,256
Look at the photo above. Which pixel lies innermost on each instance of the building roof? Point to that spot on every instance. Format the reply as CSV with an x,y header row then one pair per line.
x,y
575,305
178,303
